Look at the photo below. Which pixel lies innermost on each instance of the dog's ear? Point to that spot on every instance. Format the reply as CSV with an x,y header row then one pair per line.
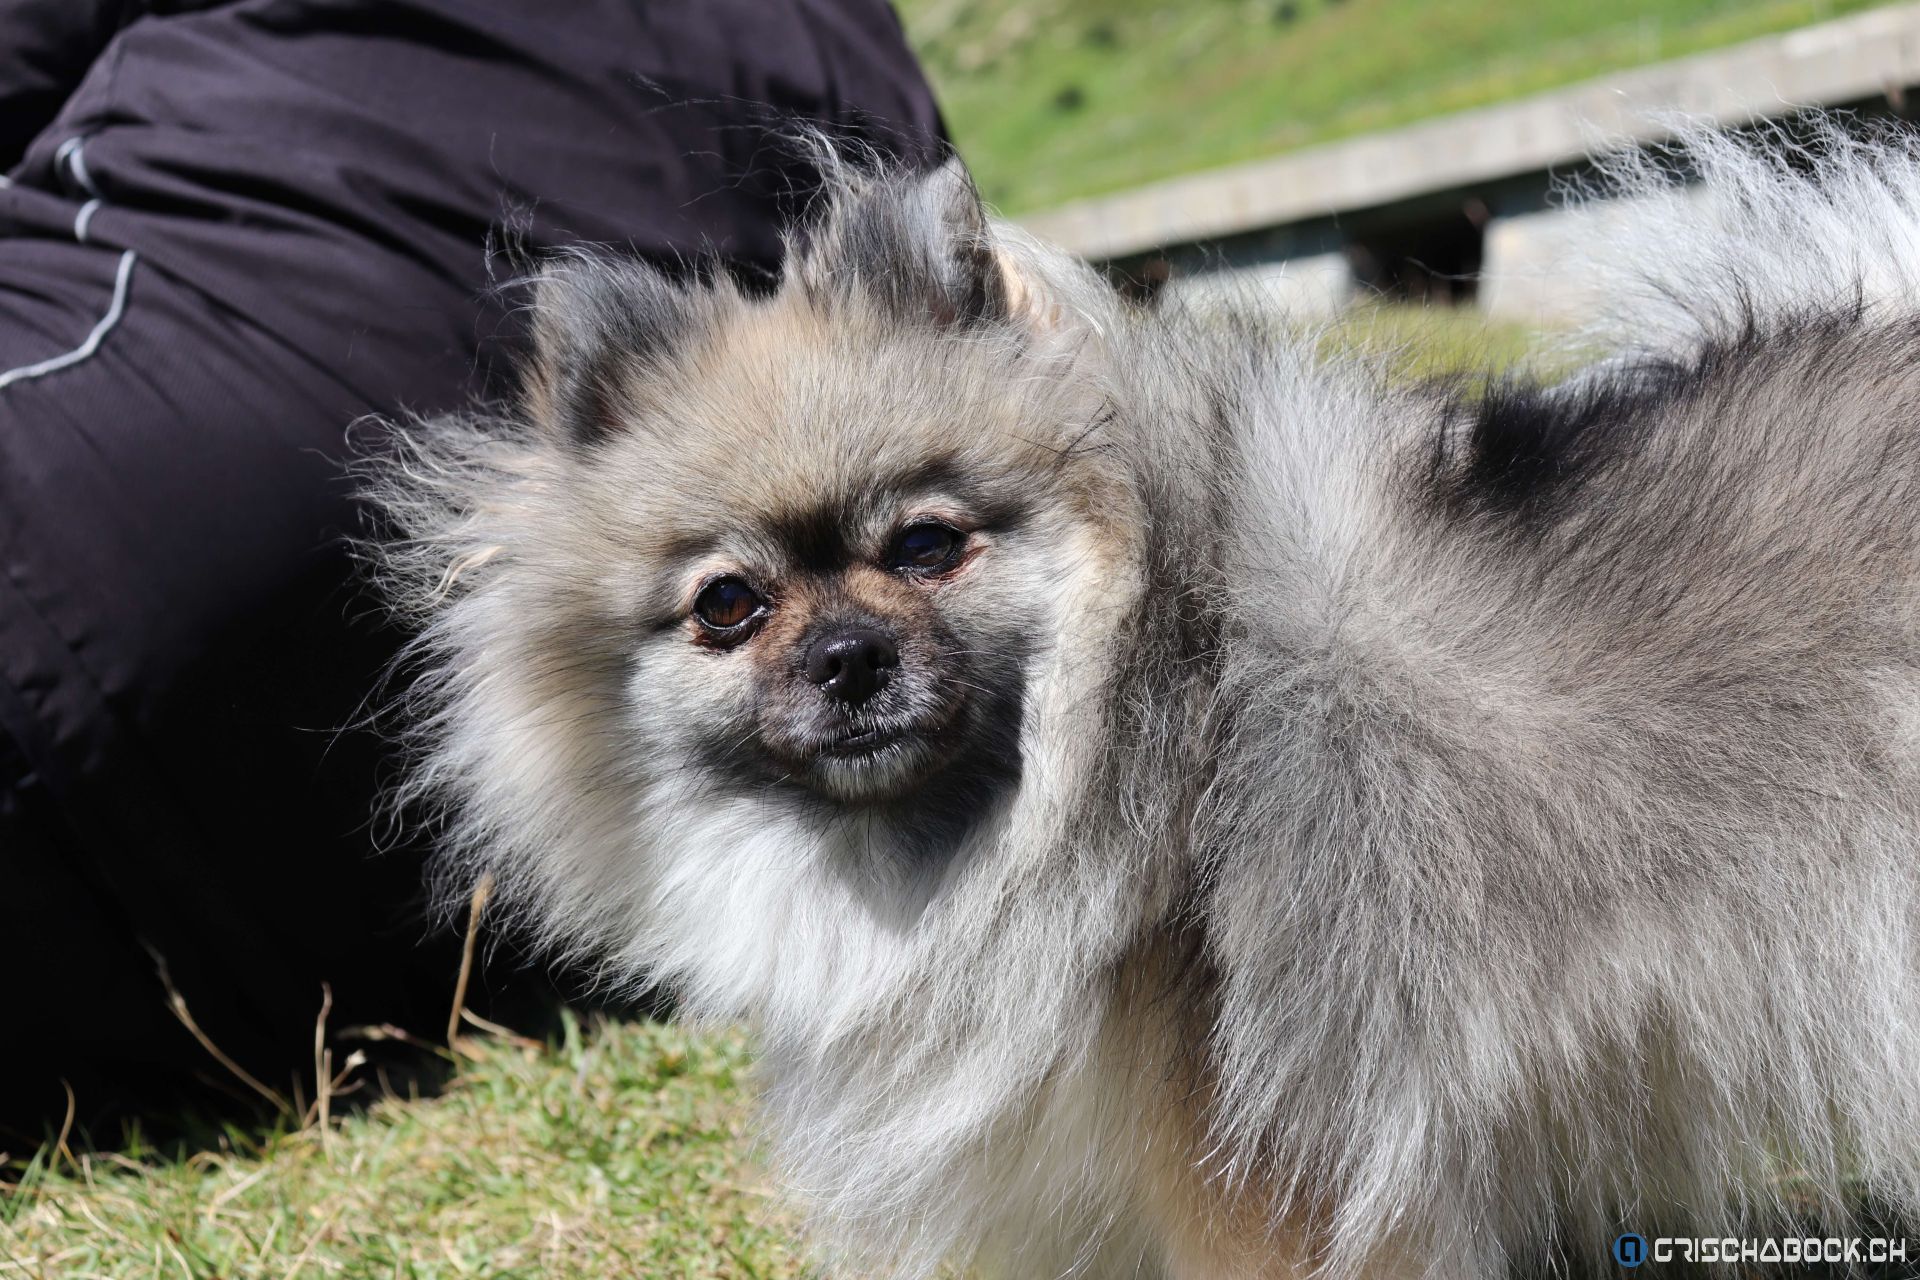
x,y
924,248
600,324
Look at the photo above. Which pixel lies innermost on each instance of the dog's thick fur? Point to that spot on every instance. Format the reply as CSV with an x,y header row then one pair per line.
x,y
1364,828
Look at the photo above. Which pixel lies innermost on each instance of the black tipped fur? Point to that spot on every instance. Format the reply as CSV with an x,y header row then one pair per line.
x,y
1526,450
926,257
1521,449
597,319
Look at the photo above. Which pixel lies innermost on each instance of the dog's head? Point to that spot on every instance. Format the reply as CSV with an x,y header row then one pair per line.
x,y
748,577
833,527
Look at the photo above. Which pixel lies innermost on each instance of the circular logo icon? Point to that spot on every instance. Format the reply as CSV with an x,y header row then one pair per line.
x,y
1630,1250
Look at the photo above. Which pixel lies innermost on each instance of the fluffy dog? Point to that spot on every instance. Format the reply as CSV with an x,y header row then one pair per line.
x,y
1172,804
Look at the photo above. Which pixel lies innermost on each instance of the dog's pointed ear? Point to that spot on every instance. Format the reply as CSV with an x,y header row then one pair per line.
x,y
924,247
600,326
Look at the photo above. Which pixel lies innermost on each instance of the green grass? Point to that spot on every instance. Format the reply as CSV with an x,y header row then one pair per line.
x,y
1432,342
621,1151
1054,99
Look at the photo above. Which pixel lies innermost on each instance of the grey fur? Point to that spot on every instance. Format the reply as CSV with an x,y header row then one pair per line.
x,y
1428,835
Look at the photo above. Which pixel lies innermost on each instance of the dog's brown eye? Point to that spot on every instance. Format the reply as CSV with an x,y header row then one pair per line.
x,y
928,546
726,603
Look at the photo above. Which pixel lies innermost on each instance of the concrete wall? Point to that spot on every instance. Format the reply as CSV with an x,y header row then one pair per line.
x,y
1528,275
1307,287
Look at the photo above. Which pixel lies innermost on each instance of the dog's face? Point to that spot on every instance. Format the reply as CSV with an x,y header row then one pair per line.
x,y
854,645
830,530
851,620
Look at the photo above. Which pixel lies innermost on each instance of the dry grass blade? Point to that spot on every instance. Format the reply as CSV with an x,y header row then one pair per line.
x,y
322,1111
66,1129
178,1004
481,892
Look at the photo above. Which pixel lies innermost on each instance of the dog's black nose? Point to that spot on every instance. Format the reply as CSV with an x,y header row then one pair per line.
x,y
852,664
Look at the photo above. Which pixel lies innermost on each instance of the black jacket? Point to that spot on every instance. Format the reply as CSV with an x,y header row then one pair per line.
x,y
278,215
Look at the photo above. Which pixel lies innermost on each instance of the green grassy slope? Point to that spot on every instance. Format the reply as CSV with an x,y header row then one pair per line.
x,y
1053,99
618,1154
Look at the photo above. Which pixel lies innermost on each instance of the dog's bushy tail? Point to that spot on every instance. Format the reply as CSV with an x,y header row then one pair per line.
x,y
1812,219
